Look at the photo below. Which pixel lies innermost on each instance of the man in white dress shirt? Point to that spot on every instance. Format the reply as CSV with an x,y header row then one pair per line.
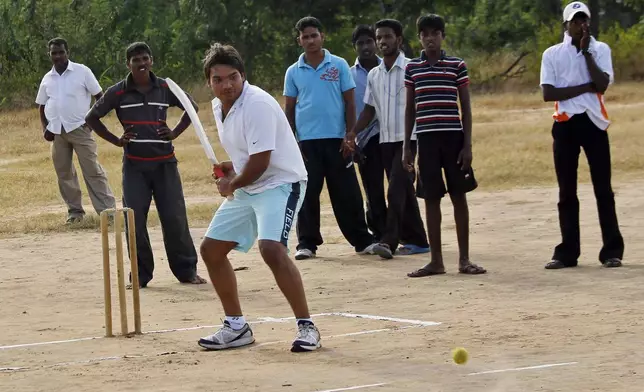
x,y
64,97
575,75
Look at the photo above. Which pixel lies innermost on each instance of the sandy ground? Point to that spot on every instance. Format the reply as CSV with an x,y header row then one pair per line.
x,y
587,321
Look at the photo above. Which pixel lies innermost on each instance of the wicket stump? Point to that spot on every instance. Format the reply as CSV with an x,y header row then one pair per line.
x,y
118,213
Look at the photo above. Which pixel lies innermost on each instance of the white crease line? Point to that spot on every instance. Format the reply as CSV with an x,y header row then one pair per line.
x,y
13,369
524,368
119,357
85,361
47,343
261,320
354,388
384,318
25,345
369,332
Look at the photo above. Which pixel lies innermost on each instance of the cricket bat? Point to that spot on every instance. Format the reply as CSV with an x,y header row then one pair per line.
x,y
196,123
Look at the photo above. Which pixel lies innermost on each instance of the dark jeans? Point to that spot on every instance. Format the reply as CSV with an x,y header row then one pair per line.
x,y
324,160
569,137
403,215
372,173
161,181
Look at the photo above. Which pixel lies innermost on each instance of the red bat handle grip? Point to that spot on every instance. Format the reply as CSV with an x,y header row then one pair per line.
x,y
218,172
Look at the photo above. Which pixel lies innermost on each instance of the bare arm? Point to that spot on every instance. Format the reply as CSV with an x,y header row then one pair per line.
x,y
349,109
552,93
410,114
599,77
43,118
183,124
289,109
367,115
465,156
466,114
253,170
185,120
410,121
101,130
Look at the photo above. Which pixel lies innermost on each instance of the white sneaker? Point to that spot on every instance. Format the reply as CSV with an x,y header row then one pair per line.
x,y
377,249
304,253
307,339
227,337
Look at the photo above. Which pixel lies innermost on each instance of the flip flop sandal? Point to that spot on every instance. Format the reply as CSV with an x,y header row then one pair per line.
x,y
471,269
422,272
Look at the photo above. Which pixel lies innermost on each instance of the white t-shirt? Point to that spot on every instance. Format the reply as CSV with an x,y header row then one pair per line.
x,y
67,97
257,123
563,66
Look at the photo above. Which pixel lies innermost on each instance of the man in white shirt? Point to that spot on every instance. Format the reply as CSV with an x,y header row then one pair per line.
x,y
64,97
575,75
385,99
267,179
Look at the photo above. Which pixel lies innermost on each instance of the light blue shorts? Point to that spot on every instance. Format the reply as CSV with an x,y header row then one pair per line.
x,y
268,215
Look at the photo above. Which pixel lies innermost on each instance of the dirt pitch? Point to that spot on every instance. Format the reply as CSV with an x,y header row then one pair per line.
x,y
526,329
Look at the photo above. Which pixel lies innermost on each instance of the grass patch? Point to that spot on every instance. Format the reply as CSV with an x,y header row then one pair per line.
x,y
199,215
512,148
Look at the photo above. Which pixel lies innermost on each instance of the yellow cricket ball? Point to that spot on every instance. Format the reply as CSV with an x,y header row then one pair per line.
x,y
459,355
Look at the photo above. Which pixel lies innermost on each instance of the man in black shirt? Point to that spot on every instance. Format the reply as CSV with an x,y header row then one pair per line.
x,y
141,102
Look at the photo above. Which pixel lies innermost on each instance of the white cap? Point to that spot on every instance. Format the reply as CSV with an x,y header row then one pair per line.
x,y
573,8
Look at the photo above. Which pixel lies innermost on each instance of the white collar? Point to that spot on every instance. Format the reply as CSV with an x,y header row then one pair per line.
x,y
216,103
70,67
400,62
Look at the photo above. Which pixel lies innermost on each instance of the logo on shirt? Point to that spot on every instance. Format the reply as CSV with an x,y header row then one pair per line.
x,y
577,5
331,75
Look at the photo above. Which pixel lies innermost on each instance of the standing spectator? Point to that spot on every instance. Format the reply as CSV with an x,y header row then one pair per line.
x,y
320,107
141,102
385,99
64,97
575,74
436,83
367,154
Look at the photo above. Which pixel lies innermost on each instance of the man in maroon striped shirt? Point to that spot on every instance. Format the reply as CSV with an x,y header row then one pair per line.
x,y
435,82
141,102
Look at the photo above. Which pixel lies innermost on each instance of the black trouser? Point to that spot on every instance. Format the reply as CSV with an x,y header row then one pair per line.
x,y
324,160
569,137
404,223
373,181
161,181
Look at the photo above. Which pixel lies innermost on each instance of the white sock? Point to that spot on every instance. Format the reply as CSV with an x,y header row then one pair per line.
x,y
304,320
236,322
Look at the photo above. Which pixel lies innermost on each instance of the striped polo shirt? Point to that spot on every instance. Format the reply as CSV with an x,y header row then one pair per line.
x,y
436,88
144,113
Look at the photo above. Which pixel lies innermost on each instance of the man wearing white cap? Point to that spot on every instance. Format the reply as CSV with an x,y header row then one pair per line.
x,y
575,75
